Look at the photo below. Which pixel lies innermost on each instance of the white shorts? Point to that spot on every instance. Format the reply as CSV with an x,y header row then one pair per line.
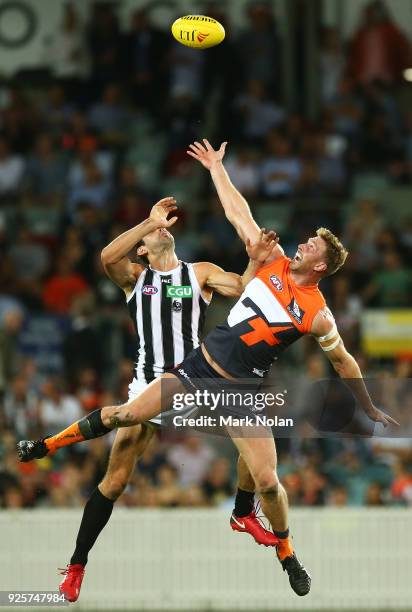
x,y
137,386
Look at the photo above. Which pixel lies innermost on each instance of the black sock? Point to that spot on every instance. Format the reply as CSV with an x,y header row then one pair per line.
x,y
244,502
96,513
91,426
282,534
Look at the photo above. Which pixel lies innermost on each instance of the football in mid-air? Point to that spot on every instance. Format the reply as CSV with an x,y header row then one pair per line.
x,y
198,31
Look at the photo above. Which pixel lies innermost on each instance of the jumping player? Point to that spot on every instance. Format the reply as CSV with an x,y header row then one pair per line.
x,y
168,329
280,305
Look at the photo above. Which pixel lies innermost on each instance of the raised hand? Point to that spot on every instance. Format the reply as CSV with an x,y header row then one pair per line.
x,y
161,210
261,250
206,154
381,417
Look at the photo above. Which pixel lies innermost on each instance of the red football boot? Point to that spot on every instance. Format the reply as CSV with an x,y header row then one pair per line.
x,y
251,524
72,582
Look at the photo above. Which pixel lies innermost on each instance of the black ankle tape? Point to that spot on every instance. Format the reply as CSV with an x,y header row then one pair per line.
x,y
244,503
282,535
92,426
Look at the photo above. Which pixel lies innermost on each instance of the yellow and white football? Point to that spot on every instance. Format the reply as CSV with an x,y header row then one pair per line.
x,y
198,31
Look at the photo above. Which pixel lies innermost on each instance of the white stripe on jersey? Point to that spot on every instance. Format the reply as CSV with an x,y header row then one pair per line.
x,y
177,322
157,335
267,302
139,320
195,307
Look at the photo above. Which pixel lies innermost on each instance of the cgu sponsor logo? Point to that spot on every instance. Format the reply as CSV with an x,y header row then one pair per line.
x,y
149,290
179,291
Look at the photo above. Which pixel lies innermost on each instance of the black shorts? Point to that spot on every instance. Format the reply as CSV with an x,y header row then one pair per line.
x,y
234,397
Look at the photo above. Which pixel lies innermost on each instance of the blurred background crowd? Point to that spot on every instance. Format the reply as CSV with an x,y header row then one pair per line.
x,y
89,147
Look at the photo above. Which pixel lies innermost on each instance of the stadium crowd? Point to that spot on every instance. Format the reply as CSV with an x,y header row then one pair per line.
x,y
88,148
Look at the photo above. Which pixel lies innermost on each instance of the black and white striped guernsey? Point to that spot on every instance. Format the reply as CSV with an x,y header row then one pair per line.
x,y
168,322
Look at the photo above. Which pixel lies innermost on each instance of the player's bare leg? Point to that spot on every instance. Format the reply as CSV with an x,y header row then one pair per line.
x,y
244,518
155,398
259,454
129,445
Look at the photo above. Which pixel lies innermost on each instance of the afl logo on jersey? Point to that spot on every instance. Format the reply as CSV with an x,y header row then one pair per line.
x,y
276,282
149,290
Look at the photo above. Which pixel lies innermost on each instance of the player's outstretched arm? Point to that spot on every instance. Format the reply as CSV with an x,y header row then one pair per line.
x,y
326,333
235,206
114,257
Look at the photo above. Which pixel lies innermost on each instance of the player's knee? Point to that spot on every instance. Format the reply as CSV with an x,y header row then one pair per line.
x,y
267,483
113,484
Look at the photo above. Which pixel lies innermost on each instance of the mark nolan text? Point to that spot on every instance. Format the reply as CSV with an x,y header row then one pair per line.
x,y
231,421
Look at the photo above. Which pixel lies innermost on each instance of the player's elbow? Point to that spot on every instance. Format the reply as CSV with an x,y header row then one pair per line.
x,y
238,288
106,257
235,288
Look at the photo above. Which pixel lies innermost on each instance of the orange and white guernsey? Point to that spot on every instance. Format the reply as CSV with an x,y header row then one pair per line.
x,y
271,314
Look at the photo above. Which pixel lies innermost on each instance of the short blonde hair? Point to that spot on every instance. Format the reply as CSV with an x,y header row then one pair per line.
x,y
336,253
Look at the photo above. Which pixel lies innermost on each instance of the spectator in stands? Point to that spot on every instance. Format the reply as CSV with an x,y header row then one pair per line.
x,y
56,407
105,45
313,487
168,490
332,62
63,286
257,113
152,460
259,46
30,258
380,146
13,497
379,50
21,407
78,136
81,344
56,110
110,117
374,495
191,459
391,286
347,110
360,235
219,239
93,188
146,62
19,120
46,170
12,168
280,170
187,72
10,327
401,488
67,486
181,118
338,496
243,171
132,209
218,486
67,50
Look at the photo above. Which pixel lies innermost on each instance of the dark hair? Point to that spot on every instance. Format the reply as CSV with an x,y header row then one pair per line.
x,y
142,259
